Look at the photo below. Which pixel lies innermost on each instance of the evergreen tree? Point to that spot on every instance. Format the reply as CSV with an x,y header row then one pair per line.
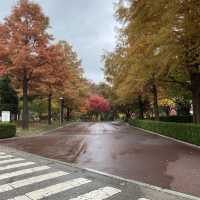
x,y
8,97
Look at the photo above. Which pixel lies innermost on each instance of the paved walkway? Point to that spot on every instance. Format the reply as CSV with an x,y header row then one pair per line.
x,y
28,177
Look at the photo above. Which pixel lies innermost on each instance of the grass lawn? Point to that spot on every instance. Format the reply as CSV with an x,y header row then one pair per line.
x,y
36,128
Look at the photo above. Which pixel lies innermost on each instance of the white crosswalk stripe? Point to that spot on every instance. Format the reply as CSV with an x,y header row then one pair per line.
x,y
100,194
2,153
22,172
5,156
143,199
55,189
21,198
16,166
11,160
30,181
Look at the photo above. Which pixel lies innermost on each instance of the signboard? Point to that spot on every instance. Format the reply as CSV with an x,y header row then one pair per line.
x,y
5,116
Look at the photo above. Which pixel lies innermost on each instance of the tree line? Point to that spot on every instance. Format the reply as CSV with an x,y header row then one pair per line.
x,y
157,55
37,65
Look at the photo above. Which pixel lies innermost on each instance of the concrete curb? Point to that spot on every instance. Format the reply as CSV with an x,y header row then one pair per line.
x,y
148,186
166,137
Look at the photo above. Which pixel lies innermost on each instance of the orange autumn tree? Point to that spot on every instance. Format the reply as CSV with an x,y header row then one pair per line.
x,y
56,72
3,49
27,41
75,88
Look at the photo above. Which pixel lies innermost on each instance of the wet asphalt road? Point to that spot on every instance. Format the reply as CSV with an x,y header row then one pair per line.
x,y
121,150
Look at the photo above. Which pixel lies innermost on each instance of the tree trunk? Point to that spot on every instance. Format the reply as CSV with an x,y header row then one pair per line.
x,y
25,113
68,113
15,116
128,115
167,110
19,115
155,102
195,80
49,109
141,107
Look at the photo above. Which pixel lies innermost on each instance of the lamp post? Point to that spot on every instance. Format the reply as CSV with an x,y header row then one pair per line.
x,y
61,110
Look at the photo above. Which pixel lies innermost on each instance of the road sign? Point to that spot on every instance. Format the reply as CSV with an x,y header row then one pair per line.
x,y
5,116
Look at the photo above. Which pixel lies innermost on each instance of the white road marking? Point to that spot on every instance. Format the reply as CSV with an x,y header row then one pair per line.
x,y
55,189
16,165
100,194
5,156
143,199
2,153
22,172
11,160
30,181
20,198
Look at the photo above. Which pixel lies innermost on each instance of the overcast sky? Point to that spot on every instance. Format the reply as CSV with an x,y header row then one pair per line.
x,y
88,25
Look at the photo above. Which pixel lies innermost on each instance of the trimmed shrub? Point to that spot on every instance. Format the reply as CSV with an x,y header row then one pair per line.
x,y
181,131
178,119
7,130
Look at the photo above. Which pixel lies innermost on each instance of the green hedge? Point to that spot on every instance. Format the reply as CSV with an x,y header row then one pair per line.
x,y
181,131
178,119
7,130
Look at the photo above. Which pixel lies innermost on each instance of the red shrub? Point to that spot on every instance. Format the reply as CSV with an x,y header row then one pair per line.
x,y
98,104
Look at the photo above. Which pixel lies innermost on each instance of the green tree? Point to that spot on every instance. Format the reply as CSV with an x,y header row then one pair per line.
x,y
8,97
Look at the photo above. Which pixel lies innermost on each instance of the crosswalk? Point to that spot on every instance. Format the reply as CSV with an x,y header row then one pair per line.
x,y
22,179
17,173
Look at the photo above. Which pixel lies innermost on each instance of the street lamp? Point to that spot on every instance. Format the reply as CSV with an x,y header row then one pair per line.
x,y
61,110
